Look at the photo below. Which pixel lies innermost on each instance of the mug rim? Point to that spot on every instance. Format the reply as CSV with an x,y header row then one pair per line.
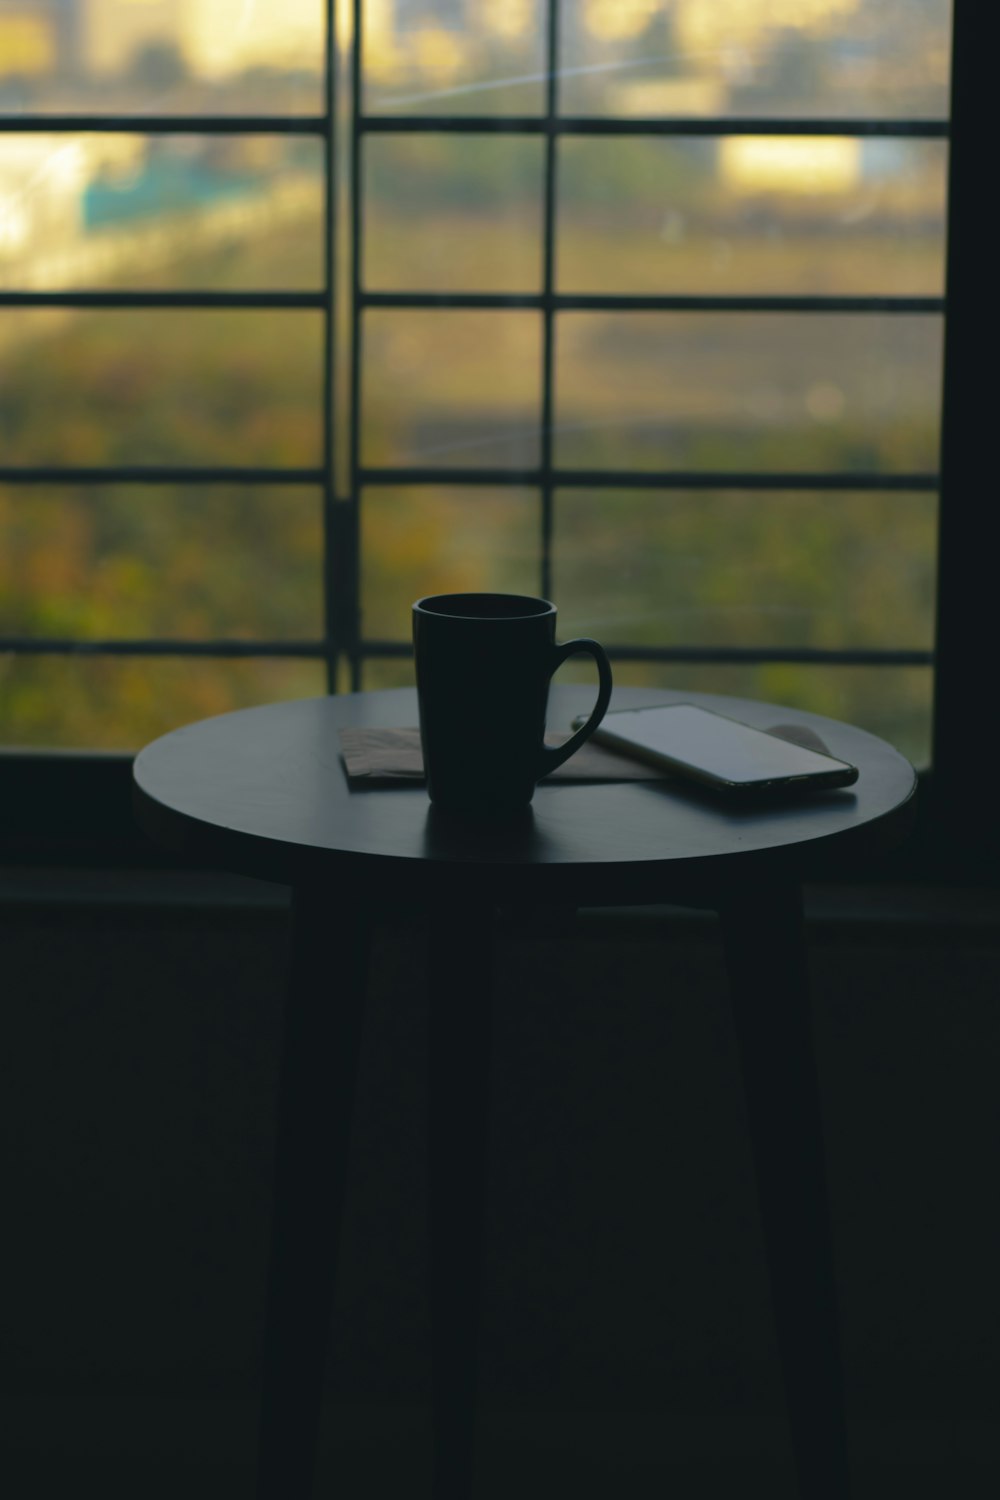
x,y
543,607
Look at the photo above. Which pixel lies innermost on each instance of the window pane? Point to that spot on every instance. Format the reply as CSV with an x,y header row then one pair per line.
x,y
435,57
387,672
835,571
755,57
423,541
892,702
451,388
120,703
160,387
448,213
788,215
755,391
122,562
170,212
162,57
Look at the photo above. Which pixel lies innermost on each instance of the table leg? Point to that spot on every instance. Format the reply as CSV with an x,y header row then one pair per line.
x,y
460,959
322,1030
765,955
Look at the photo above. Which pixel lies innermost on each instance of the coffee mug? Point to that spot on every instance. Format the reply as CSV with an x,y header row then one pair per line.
x,y
483,667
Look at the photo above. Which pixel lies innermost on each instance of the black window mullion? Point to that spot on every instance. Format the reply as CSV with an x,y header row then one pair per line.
x,y
548,290
187,301
683,125
331,540
827,656
601,125
147,646
647,479
652,301
356,333
156,474
966,708
132,124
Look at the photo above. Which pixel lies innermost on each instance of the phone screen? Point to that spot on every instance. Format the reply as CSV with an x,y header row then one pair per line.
x,y
719,747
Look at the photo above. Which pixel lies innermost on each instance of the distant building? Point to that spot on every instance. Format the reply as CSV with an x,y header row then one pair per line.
x,y
231,35
102,38
110,33
95,38
30,38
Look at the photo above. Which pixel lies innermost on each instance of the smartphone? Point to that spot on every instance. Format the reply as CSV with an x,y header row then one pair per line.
x,y
716,750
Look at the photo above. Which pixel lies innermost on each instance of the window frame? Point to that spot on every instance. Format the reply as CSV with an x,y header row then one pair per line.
x,y
75,807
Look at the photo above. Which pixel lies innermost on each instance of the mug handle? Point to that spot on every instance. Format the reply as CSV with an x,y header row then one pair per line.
x,y
553,758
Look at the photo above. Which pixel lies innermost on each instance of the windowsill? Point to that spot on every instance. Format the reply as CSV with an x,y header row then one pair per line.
x,y
840,912
38,886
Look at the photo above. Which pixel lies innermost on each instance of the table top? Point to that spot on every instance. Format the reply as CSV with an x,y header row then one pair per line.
x,y
263,792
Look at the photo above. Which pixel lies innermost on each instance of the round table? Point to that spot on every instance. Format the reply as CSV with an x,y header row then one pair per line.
x,y
263,792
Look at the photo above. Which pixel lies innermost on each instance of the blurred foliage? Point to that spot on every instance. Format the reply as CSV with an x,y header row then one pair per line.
x,y
194,561
147,387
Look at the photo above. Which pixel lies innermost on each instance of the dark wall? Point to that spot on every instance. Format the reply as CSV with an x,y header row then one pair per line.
x,y
626,1316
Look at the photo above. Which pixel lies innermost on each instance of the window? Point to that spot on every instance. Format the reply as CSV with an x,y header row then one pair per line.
x,y
636,304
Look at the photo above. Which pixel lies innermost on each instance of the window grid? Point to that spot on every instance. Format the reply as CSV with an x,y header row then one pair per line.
x,y
341,552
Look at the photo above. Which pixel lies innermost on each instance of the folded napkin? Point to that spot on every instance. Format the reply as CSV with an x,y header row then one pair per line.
x,y
385,757
392,757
